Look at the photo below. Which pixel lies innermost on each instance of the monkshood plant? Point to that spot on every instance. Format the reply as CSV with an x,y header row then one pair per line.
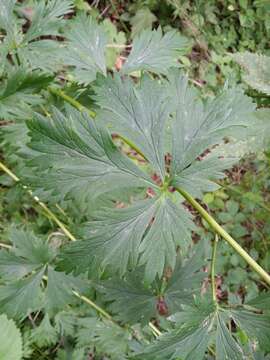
x,y
141,147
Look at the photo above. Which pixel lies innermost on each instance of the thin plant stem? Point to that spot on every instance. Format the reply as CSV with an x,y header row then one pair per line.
x,y
118,46
156,332
48,212
213,263
220,231
72,238
5,246
60,93
82,108
94,305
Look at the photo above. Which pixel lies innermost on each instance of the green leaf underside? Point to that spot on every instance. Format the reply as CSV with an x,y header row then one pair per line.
x,y
156,53
141,114
197,126
257,69
80,155
201,325
153,228
138,113
134,301
11,340
24,267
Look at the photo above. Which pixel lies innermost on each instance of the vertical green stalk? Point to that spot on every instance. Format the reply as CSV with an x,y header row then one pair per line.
x,y
220,231
213,263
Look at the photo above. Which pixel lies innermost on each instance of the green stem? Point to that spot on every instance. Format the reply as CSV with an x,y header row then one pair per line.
x,y
156,332
70,100
220,231
94,305
48,212
213,263
80,107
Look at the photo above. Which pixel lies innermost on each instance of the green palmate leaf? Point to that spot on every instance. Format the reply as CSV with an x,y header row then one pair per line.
x,y
29,48
11,340
143,19
45,334
202,325
81,156
108,338
135,301
19,92
197,126
138,113
257,70
155,52
85,50
118,236
24,267
78,158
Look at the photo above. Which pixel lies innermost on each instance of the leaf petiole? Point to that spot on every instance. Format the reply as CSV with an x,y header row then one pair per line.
x,y
220,231
213,263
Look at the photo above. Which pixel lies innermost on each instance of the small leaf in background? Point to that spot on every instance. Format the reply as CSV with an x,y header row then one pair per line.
x,y
143,19
257,69
116,41
45,334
